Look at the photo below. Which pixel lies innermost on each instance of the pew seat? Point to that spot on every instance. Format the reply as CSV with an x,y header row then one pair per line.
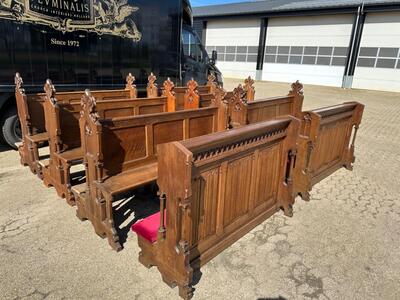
x,y
38,138
71,156
148,227
129,179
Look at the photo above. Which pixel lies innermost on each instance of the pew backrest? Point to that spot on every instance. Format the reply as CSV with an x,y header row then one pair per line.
x,y
330,133
62,118
243,111
119,144
218,187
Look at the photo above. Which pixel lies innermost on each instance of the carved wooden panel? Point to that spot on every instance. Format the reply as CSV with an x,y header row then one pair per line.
x,y
205,195
201,126
167,132
117,112
238,179
329,147
268,176
150,109
285,109
123,147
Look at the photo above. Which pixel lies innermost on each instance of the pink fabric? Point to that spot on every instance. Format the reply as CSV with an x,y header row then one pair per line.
x,y
148,227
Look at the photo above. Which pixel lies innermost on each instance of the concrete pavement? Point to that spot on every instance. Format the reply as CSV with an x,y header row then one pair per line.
x,y
343,244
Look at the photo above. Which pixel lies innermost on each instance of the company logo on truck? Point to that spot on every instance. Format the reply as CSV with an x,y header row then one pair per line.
x,y
102,17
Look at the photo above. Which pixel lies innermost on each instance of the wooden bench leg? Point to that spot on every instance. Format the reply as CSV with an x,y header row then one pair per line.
x,y
288,210
66,183
21,152
147,254
35,155
305,196
96,212
32,161
111,231
186,291
81,206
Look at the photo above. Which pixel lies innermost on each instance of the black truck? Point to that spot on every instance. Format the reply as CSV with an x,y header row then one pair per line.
x,y
95,43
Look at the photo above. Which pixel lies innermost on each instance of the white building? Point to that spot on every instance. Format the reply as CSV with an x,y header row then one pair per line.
x,y
343,43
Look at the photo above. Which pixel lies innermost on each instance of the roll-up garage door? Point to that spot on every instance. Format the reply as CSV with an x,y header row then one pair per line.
x,y
311,49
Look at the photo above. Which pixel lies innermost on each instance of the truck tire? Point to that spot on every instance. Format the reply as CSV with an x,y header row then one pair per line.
x,y
11,128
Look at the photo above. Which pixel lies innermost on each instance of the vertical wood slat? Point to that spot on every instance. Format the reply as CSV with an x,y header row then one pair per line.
x,y
149,140
255,179
221,197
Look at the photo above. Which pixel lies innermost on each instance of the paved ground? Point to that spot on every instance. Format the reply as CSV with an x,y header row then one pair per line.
x,y
343,244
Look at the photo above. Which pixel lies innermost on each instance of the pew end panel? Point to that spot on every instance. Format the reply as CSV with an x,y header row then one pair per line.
x,y
310,123
326,144
216,188
90,132
31,115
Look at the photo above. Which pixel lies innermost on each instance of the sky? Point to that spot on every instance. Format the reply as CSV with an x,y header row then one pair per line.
x,y
211,2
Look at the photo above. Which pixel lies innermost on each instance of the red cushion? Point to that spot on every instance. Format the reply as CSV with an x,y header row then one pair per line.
x,y
148,227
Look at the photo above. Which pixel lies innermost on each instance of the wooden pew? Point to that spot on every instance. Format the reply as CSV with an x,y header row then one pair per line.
x,y
194,95
121,155
243,112
62,125
215,189
326,144
31,115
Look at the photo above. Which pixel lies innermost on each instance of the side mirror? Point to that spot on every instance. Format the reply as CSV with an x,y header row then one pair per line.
x,y
214,56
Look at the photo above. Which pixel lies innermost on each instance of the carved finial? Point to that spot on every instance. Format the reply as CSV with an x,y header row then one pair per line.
x,y
152,90
168,92
211,79
18,81
168,86
211,83
220,94
249,88
50,91
297,88
88,106
192,85
239,93
191,97
130,79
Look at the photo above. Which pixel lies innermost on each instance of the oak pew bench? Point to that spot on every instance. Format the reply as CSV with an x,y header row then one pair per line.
x,y
121,155
326,144
62,125
242,111
214,190
31,115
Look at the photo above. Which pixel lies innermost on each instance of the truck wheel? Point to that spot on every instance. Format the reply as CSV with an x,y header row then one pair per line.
x,y
11,128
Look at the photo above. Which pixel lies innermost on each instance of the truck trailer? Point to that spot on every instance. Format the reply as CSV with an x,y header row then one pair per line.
x,y
81,44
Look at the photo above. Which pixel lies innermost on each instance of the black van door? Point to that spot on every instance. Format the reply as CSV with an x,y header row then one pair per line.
x,y
195,59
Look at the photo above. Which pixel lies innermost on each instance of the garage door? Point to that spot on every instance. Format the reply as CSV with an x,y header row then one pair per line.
x,y
237,43
378,65
310,49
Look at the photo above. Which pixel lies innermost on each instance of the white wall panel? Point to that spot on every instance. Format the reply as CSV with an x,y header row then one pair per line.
x,y
323,33
244,32
381,30
308,74
326,30
234,60
237,69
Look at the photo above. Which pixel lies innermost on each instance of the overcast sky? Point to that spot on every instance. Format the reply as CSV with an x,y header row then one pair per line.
x,y
211,2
